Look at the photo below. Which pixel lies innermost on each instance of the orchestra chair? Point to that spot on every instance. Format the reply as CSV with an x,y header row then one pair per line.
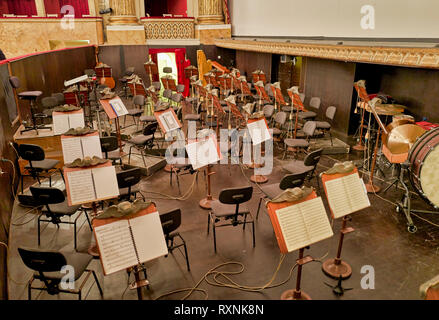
x,y
128,182
278,120
177,98
308,130
308,165
47,266
124,81
325,126
32,97
55,207
179,169
143,141
268,90
59,96
49,103
110,149
311,115
139,102
37,163
289,181
268,110
167,94
231,206
171,221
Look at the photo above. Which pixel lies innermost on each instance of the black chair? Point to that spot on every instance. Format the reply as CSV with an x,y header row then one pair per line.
x,y
59,96
143,141
307,166
289,181
230,206
128,181
302,139
49,103
325,126
55,207
110,148
38,163
32,97
48,265
171,221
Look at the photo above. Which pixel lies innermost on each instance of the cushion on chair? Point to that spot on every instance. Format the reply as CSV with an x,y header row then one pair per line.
x,y
323,125
113,155
141,139
307,115
62,209
30,95
271,190
277,131
223,210
192,117
148,119
124,191
134,112
79,262
296,143
46,164
297,167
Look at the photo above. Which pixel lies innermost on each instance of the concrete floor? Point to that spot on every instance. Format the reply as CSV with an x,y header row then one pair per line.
x,y
402,261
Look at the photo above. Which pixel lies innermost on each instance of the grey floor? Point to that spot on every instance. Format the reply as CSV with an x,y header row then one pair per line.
x,y
402,261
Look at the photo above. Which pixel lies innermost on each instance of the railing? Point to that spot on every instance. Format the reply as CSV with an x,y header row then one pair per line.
x,y
169,28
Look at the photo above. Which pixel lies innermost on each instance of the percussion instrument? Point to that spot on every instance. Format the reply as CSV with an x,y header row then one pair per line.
x,y
405,117
401,138
424,170
384,109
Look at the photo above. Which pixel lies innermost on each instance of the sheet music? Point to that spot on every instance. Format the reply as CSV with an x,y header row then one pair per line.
x,y
148,237
71,149
81,186
118,107
304,224
116,246
91,146
202,153
76,120
169,122
60,123
346,195
259,131
105,182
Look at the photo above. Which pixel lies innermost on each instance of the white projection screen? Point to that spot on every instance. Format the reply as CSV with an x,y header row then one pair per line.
x,y
335,18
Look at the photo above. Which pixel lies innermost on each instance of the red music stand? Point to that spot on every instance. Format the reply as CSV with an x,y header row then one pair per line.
x,y
363,97
151,70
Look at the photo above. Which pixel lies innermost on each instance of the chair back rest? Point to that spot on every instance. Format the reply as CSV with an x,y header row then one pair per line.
x,y
309,128
180,88
128,178
302,97
170,221
315,102
46,196
177,97
15,82
167,70
49,102
268,110
59,96
330,112
236,196
109,144
150,129
268,89
291,181
157,85
167,93
42,261
313,158
280,118
139,100
31,152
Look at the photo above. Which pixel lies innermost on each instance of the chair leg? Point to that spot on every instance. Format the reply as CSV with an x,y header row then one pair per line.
x,y
74,235
129,155
22,183
39,230
214,236
62,175
50,181
143,156
208,222
330,136
253,229
245,221
29,290
88,220
259,208
97,283
186,255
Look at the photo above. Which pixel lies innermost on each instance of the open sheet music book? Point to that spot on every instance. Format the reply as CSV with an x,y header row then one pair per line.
x,y
85,185
203,153
298,225
118,107
80,147
127,242
259,131
64,121
346,195
167,120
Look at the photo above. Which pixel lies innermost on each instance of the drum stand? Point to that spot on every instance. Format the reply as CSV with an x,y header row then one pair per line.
x,y
405,204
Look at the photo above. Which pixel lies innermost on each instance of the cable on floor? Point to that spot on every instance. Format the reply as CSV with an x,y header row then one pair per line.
x,y
170,197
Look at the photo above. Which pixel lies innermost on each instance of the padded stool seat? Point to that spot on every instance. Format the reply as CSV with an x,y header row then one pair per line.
x,y
134,112
44,165
297,167
271,190
148,119
195,117
29,95
276,131
141,139
307,115
79,262
62,209
296,143
323,125
222,210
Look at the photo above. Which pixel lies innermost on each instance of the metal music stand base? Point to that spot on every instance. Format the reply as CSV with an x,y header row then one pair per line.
x,y
359,147
371,188
337,268
258,179
295,295
168,168
206,203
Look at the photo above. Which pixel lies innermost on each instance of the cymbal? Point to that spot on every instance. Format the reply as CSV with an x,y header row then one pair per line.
x,y
385,109
393,125
402,138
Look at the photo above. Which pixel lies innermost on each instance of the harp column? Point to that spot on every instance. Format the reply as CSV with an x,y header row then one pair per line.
x,y
124,27
211,25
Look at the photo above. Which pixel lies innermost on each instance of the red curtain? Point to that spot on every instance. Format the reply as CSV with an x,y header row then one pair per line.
x,y
22,7
81,7
4,9
52,7
177,7
180,57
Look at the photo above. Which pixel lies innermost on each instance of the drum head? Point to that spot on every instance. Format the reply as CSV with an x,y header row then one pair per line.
x,y
430,177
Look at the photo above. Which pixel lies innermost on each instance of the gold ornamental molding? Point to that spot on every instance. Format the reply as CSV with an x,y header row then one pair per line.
x,y
395,56
169,28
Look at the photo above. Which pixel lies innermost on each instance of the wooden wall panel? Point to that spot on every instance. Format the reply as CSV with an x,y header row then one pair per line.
x,y
47,72
332,81
247,62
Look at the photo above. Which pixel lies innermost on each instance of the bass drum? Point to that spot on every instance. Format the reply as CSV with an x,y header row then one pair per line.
x,y
424,171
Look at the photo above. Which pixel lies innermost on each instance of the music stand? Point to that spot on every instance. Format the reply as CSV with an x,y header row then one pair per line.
x,y
105,103
258,178
298,104
151,70
362,96
278,96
